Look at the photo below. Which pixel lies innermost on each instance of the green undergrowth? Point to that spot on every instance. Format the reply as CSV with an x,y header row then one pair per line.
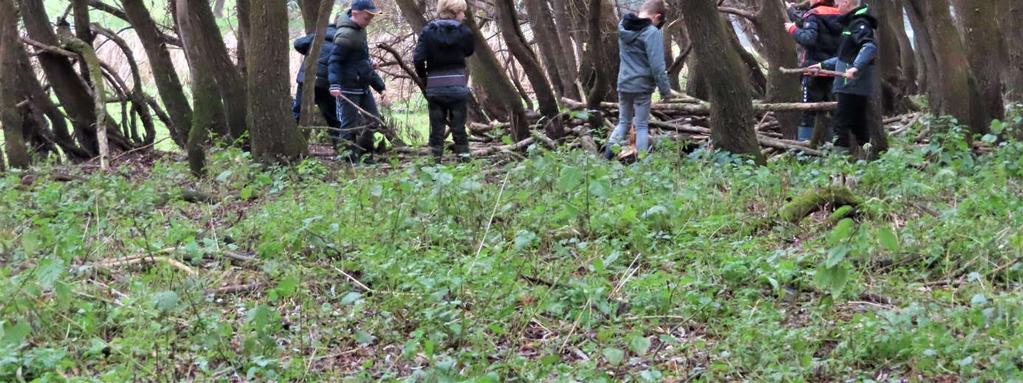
x,y
560,267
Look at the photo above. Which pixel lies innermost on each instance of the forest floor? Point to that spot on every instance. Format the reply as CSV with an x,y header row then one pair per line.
x,y
560,267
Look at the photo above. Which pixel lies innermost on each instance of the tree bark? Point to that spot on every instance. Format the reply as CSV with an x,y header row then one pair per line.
x,y
545,37
780,52
208,116
67,85
980,29
1012,29
275,138
486,71
310,14
563,30
889,62
597,50
548,102
166,78
230,83
10,117
907,53
731,117
951,88
922,41
308,101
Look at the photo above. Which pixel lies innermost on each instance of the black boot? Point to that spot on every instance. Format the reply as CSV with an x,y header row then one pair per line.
x,y
462,153
438,153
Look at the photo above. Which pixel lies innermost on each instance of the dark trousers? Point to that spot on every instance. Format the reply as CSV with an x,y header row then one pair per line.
x,y
356,127
324,101
851,119
815,89
447,111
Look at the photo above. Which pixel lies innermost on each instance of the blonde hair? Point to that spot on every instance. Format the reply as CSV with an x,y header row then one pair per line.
x,y
449,9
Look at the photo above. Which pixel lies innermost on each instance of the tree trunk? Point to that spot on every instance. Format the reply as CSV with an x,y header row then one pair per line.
x,y
548,102
731,116
80,14
907,54
10,117
275,138
67,85
310,14
209,107
893,96
980,28
780,52
230,83
951,88
569,69
308,100
1012,29
244,29
166,78
921,54
545,37
597,51
485,70
208,116
218,8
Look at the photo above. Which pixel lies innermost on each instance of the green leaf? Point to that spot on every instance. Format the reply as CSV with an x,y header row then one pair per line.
x,y
639,345
833,278
287,286
888,239
166,300
614,356
600,188
350,298
842,231
49,272
15,334
571,177
836,255
524,239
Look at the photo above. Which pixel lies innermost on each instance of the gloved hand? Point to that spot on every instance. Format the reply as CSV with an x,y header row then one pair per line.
x,y
377,84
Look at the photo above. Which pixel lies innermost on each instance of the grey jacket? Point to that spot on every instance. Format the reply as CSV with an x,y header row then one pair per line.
x,y
641,48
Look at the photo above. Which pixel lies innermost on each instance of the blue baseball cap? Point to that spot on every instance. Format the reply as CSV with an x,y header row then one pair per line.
x,y
366,6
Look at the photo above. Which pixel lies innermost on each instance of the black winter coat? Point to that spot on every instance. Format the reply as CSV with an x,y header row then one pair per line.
x,y
349,66
442,48
818,31
304,44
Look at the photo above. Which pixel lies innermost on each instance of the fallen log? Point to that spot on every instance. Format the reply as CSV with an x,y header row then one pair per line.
x,y
764,140
704,108
814,200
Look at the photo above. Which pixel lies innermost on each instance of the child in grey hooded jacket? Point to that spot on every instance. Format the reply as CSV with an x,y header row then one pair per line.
x,y
641,48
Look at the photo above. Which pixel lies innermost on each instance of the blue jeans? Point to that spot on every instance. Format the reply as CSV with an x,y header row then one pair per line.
x,y
355,126
633,108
